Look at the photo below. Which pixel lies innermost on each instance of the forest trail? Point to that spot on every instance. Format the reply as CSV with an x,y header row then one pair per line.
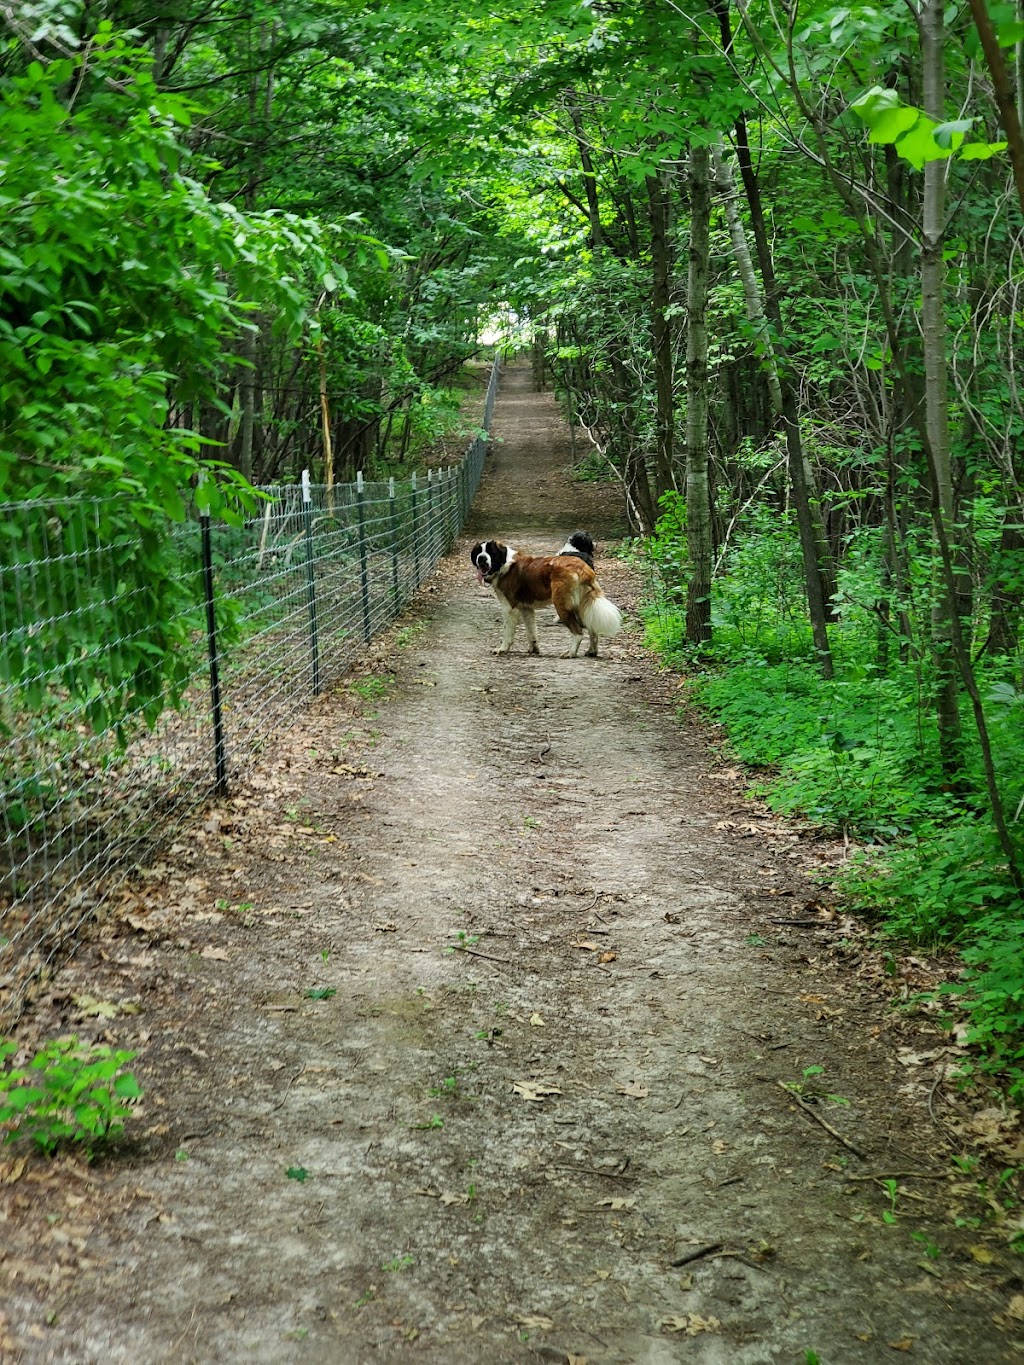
x,y
535,1112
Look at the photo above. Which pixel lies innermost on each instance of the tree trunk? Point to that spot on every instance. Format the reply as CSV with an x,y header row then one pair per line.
x,y
1003,93
936,398
698,489
752,295
1007,599
816,585
247,395
589,176
661,332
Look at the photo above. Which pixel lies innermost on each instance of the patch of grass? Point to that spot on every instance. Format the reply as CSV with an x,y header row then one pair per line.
x,y
373,687
462,942
435,1121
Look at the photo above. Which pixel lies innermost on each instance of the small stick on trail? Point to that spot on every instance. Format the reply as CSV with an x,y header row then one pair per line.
x,y
697,1254
818,1119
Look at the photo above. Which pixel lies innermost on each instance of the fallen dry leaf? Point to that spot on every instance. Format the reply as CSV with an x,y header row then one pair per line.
x,y
616,1205
215,954
1015,1308
982,1254
537,1020
585,943
904,1344
534,1090
690,1323
538,1321
100,1009
635,1090
10,1173
608,956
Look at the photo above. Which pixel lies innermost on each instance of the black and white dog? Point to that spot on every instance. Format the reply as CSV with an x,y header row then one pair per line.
x,y
581,544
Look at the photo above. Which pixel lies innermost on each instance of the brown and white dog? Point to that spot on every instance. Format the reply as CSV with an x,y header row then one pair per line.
x,y
525,583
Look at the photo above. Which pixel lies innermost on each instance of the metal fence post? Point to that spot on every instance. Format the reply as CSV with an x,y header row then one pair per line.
x,y
314,634
393,537
364,575
220,760
415,531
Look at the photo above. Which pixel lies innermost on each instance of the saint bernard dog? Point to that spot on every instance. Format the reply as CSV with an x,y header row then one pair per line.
x,y
525,583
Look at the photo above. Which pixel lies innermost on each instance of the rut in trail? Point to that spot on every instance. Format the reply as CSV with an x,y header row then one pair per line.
x,y
539,1118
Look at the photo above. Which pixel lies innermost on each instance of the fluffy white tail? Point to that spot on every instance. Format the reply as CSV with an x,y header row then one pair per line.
x,y
602,617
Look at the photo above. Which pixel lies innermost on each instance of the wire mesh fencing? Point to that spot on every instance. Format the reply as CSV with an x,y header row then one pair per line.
x,y
105,748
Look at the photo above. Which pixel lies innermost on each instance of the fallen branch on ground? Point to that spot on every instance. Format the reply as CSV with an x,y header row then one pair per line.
x,y
818,1119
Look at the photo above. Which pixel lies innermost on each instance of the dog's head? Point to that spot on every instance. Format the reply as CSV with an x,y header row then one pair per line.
x,y
580,543
489,558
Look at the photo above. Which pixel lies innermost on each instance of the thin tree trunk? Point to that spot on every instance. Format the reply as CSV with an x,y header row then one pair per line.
x,y
247,394
589,175
661,332
815,583
936,396
752,295
698,488
325,416
1003,92
1007,598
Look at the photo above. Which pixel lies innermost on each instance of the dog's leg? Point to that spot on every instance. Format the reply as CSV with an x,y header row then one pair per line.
x,y
530,618
574,646
509,633
592,646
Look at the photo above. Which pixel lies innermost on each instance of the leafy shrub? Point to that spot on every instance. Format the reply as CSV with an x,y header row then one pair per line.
x,y
936,885
69,1092
860,752
993,994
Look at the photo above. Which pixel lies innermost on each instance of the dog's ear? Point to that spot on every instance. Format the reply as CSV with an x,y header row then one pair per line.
x,y
497,552
474,552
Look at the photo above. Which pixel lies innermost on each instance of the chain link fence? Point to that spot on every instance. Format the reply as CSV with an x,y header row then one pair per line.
x,y
94,775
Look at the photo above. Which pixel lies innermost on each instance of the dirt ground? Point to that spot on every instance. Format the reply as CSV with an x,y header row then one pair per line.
x,y
540,1110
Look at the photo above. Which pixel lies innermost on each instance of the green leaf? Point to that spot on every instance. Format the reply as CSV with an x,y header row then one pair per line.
x,y
981,151
892,122
951,134
919,145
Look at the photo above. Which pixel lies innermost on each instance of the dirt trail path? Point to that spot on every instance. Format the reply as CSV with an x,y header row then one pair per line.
x,y
548,1072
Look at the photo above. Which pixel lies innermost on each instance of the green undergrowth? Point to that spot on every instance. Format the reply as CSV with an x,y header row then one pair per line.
x,y
859,755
